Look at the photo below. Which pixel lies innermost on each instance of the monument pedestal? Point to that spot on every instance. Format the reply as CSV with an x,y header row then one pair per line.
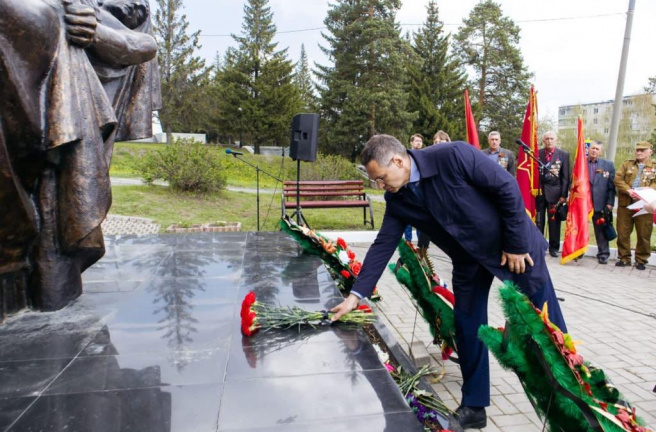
x,y
154,344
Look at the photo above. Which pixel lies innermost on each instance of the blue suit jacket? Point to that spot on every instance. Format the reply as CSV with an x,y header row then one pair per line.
x,y
603,188
473,210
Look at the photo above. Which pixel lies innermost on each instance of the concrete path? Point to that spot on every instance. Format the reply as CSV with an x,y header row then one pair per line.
x,y
612,310
119,181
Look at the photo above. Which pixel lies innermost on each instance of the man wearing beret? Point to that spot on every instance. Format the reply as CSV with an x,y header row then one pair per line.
x,y
634,173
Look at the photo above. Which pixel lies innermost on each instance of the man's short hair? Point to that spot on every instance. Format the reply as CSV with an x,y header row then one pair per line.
x,y
494,133
443,136
549,133
599,143
412,138
381,148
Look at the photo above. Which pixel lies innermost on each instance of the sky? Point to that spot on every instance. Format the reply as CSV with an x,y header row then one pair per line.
x,y
573,47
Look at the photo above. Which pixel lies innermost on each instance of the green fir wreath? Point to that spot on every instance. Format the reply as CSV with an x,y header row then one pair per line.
x,y
570,394
433,300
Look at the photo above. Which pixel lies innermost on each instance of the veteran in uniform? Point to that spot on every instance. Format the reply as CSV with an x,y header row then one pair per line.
x,y
500,155
554,183
634,173
602,189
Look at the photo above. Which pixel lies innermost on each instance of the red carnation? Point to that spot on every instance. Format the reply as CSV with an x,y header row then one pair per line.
x,y
446,352
356,266
345,273
341,243
248,324
246,330
247,303
364,308
351,255
250,297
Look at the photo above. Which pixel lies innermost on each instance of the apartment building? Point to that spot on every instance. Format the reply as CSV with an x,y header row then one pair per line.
x,y
638,118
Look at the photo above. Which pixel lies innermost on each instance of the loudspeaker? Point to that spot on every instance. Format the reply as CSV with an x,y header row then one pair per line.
x,y
305,131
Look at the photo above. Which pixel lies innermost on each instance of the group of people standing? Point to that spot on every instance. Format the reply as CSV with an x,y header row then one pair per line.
x,y
605,184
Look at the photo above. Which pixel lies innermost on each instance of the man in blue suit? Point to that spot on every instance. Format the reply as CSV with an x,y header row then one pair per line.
x,y
472,209
602,174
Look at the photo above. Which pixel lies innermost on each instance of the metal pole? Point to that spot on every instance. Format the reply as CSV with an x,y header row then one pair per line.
x,y
298,192
257,181
617,105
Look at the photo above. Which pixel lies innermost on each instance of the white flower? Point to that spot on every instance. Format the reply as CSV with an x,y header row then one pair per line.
x,y
343,257
382,355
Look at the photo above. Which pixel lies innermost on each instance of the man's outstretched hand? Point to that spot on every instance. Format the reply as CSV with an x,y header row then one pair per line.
x,y
349,303
516,262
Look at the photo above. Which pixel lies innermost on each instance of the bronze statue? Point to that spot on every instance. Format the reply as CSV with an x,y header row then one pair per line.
x,y
68,71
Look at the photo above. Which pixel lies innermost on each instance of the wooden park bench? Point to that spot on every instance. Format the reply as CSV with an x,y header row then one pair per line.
x,y
328,194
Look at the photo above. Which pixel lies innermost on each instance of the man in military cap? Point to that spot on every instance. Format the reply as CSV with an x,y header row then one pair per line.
x,y
632,174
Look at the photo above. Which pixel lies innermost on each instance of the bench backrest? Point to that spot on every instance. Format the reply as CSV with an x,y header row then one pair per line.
x,y
324,188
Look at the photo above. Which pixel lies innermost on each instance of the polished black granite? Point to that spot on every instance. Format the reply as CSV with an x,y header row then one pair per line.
x,y
154,344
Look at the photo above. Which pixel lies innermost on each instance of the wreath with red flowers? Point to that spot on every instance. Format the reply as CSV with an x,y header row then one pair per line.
x,y
338,258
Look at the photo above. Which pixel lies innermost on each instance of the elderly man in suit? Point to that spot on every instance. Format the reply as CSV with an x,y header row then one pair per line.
x,y
602,175
473,210
500,155
554,181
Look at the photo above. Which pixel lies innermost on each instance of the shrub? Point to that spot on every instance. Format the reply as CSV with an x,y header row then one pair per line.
x,y
186,165
326,167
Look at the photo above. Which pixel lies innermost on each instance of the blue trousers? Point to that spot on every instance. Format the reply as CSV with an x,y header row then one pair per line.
x,y
408,233
471,285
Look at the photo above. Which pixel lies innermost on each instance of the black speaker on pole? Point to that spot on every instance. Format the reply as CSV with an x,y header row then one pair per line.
x,y
305,131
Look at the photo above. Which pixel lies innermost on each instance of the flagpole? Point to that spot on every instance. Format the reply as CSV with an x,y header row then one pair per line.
x,y
619,91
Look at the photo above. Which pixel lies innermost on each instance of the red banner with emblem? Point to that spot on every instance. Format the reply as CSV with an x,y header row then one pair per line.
x,y
528,177
577,226
472,132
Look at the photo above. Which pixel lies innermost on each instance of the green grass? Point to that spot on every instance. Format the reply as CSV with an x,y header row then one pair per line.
x,y
239,174
126,156
166,207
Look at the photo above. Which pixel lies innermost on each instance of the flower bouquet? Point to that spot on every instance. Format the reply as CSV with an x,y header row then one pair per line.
x,y
433,300
424,404
338,258
256,316
570,394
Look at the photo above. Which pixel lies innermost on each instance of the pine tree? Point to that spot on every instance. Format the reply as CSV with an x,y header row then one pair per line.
x,y
183,75
437,81
258,96
363,93
303,80
488,42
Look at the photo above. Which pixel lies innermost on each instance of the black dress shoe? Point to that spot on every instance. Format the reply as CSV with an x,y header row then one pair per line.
x,y
640,266
603,260
553,253
621,264
467,418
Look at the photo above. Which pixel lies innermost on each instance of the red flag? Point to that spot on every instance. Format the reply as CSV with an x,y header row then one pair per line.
x,y
472,132
577,226
528,177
